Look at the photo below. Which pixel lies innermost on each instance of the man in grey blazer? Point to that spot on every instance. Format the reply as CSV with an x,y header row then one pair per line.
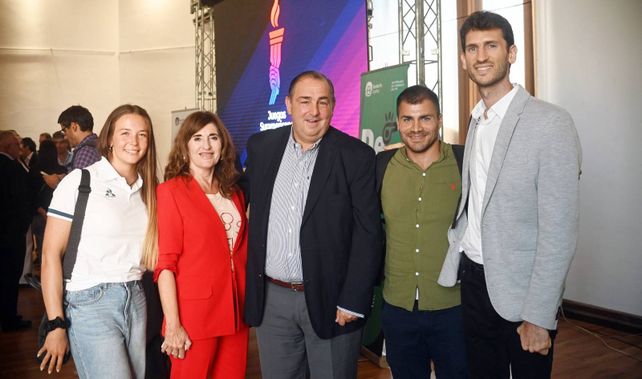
x,y
516,227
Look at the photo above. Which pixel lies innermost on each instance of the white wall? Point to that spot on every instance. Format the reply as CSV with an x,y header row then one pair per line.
x,y
157,61
96,53
589,55
54,54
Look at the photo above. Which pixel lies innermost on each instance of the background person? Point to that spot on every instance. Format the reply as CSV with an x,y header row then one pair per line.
x,y
47,164
28,153
15,218
44,136
78,124
30,161
106,303
202,253
65,156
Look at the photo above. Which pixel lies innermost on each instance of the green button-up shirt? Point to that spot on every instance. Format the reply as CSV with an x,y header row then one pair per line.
x,y
418,208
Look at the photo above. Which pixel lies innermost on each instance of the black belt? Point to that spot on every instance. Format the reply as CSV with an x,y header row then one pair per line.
x,y
294,286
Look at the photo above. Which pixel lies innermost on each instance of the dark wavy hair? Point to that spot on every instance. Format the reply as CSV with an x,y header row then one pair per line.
x,y
484,20
225,170
79,115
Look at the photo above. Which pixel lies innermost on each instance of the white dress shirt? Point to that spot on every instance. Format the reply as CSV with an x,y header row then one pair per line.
x,y
488,122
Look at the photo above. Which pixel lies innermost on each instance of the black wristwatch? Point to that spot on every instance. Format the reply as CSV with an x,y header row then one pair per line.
x,y
56,323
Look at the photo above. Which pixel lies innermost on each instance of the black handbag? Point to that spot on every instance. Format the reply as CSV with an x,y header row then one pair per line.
x,y
69,259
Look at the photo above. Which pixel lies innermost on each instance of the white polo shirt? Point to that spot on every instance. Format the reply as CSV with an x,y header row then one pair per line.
x,y
113,231
481,154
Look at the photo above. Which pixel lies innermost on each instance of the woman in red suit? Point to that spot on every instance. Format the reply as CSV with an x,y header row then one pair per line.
x,y
202,244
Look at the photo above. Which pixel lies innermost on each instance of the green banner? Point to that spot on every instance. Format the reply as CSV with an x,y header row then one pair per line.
x,y
379,91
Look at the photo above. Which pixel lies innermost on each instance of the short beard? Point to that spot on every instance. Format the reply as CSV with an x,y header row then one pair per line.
x,y
425,148
504,70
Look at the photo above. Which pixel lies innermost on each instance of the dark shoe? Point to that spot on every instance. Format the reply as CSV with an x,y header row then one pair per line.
x,y
17,325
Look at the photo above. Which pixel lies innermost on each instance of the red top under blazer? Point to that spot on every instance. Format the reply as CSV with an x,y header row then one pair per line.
x,y
193,244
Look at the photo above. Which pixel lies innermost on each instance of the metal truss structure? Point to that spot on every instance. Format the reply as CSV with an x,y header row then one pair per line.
x,y
420,40
205,84
419,23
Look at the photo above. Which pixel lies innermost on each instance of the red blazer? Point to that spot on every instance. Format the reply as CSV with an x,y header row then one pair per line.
x,y
193,244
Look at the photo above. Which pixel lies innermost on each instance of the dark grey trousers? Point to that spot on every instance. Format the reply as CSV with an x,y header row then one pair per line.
x,y
288,344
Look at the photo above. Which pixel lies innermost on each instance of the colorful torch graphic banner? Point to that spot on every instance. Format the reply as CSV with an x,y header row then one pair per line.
x,y
276,40
262,45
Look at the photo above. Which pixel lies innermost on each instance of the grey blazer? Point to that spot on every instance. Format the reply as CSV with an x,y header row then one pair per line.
x,y
530,215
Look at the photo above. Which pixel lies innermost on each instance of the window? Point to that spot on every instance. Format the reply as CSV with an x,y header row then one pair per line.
x,y
459,94
519,14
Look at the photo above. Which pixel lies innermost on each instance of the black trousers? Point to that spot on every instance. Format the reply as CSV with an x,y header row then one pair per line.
x,y
493,346
157,364
413,339
12,255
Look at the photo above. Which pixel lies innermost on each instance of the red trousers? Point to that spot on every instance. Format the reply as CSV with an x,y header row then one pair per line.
x,y
222,357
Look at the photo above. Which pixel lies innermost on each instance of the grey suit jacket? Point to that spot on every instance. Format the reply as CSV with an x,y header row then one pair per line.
x,y
530,215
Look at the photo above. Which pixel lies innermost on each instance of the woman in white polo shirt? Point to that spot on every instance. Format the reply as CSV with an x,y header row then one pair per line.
x,y
106,304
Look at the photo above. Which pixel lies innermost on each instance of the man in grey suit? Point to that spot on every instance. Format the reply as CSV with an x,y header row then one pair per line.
x,y
516,227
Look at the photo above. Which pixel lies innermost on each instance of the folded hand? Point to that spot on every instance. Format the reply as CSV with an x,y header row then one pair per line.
x,y
177,342
344,317
534,339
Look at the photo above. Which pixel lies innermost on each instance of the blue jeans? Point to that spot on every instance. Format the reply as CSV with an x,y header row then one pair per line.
x,y
107,333
415,338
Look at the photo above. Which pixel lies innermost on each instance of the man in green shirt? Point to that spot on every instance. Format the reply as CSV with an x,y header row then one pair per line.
x,y
420,185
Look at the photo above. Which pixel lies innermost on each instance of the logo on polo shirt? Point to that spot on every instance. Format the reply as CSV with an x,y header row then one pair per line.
x,y
109,194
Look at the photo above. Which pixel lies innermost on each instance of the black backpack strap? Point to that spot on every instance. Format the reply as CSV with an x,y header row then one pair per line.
x,y
458,151
69,259
383,158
